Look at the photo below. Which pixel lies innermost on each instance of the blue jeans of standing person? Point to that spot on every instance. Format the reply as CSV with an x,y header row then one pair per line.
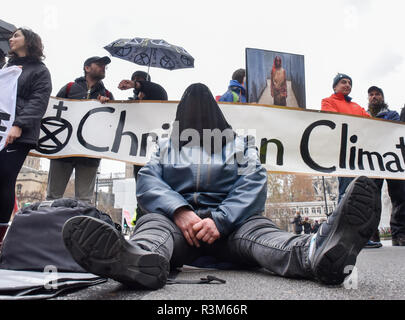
x,y
396,191
257,243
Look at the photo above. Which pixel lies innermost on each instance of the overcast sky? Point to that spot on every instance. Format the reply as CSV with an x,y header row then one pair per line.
x,y
362,38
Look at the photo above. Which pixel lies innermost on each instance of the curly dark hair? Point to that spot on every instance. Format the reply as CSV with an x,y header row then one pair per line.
x,y
33,42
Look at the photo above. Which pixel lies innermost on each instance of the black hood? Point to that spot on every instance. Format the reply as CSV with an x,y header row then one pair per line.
x,y
198,110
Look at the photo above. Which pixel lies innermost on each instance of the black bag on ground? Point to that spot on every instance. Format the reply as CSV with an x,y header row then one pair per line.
x,y
34,239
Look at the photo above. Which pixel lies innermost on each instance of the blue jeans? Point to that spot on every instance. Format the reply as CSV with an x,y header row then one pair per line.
x,y
257,243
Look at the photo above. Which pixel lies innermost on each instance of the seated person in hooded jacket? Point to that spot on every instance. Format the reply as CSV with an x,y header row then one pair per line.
x,y
203,193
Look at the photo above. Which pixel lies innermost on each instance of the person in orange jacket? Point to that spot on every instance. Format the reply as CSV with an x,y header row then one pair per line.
x,y
340,101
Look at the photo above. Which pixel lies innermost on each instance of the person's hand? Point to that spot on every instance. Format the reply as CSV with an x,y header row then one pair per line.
x,y
126,84
13,134
141,95
206,231
103,99
185,219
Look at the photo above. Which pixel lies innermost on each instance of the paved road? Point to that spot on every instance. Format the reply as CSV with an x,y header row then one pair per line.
x,y
380,276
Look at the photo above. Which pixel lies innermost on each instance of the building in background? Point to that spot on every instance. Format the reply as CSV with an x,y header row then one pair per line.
x,y
31,182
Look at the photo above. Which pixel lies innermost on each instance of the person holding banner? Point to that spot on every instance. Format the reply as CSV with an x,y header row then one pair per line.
x,y
33,92
396,188
144,88
340,102
89,86
203,192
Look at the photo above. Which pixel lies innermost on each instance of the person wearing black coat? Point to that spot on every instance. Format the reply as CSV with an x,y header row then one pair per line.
x,y
297,221
33,92
89,86
144,88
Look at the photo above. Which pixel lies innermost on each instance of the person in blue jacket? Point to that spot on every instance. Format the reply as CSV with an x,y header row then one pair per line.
x,y
236,91
203,193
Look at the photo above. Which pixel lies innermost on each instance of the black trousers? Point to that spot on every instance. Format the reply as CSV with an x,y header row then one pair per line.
x,y
257,243
396,191
11,160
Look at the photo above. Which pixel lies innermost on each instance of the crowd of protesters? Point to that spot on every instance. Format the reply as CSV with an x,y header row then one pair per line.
x,y
222,218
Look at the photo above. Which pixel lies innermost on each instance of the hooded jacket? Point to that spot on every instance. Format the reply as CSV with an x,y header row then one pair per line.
x,y
228,185
79,91
226,192
236,87
152,91
337,102
33,92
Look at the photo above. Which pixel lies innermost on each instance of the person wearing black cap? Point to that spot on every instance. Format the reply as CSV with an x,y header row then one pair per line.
x,y
396,188
144,88
377,106
89,86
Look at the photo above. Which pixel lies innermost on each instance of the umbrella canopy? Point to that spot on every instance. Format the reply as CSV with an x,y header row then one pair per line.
x,y
152,53
6,31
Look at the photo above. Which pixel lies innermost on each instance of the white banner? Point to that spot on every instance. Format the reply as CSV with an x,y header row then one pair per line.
x,y
290,140
8,95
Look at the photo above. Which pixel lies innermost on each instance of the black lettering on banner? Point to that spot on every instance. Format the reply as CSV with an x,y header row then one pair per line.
x,y
144,143
370,160
343,147
401,146
352,157
119,134
280,151
80,137
6,117
304,148
396,161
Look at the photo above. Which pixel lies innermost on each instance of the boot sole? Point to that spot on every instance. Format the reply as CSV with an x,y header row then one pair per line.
x,y
101,249
360,216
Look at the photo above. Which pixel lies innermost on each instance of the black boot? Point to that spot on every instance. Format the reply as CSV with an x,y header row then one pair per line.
x,y
101,249
340,239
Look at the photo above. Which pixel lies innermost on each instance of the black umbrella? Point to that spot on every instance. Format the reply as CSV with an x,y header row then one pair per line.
x,y
6,31
151,53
